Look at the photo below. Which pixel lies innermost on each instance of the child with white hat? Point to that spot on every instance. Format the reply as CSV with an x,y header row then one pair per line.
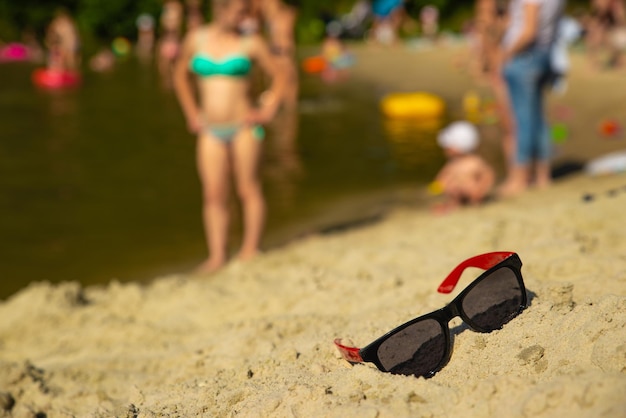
x,y
466,178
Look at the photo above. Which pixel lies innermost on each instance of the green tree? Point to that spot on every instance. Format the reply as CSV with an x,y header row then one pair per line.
x,y
105,19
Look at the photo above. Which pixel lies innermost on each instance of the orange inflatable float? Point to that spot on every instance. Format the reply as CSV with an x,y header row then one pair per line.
x,y
314,65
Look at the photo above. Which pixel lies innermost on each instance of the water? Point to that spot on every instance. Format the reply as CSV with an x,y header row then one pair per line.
x,y
99,183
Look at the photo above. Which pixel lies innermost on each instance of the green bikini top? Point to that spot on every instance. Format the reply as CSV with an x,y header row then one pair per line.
x,y
233,65
236,65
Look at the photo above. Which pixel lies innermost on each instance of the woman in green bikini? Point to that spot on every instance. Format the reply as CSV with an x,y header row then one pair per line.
x,y
228,125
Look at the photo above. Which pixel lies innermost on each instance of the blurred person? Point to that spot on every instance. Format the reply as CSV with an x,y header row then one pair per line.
x,y
607,19
63,43
251,25
526,55
145,35
466,178
103,61
387,20
228,126
35,52
506,117
568,31
429,19
490,17
354,23
28,50
169,42
335,53
195,19
488,31
618,45
281,19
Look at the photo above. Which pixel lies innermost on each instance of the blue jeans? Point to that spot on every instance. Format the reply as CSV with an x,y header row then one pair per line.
x,y
526,75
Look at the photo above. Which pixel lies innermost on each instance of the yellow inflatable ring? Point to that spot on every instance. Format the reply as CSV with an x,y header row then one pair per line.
x,y
412,105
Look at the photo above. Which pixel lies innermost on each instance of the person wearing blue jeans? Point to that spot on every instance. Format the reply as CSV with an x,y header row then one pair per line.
x,y
526,53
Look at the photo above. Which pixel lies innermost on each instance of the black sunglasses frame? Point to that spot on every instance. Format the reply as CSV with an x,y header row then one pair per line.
x,y
444,315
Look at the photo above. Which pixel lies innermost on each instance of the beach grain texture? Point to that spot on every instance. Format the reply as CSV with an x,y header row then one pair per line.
x,y
256,340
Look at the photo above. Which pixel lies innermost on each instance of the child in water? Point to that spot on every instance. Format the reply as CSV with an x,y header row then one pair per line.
x,y
337,57
466,178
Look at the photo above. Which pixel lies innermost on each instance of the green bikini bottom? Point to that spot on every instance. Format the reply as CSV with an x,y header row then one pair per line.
x,y
226,133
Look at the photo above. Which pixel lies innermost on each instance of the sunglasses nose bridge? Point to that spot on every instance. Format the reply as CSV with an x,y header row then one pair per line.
x,y
449,312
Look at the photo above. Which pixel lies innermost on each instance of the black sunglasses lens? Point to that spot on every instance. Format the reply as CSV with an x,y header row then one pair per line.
x,y
416,350
494,301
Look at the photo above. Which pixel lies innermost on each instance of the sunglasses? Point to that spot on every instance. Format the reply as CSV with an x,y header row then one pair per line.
x,y
422,346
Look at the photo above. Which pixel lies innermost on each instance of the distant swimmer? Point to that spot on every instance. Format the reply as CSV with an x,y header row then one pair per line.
x,y
195,19
63,43
169,42
145,35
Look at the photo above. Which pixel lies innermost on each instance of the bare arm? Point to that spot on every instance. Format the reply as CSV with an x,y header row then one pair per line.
x,y
183,86
529,33
270,100
444,174
288,36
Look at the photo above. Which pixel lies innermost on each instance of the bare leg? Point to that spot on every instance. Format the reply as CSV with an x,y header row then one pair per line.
x,y
213,168
516,182
246,155
542,174
509,144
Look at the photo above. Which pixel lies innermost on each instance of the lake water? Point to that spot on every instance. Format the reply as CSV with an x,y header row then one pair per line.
x,y
99,183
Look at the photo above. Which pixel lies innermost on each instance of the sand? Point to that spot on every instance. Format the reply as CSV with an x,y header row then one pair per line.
x,y
255,340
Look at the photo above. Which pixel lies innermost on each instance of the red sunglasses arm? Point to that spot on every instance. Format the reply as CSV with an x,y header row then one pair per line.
x,y
351,354
483,261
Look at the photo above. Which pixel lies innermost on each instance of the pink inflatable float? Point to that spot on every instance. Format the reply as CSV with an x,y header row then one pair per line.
x,y
14,52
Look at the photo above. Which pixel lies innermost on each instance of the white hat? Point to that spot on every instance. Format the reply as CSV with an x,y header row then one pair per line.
x,y
461,136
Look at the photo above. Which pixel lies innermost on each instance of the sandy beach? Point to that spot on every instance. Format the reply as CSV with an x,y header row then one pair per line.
x,y
256,340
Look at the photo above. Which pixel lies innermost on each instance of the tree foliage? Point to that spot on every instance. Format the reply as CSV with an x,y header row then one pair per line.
x,y
105,19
